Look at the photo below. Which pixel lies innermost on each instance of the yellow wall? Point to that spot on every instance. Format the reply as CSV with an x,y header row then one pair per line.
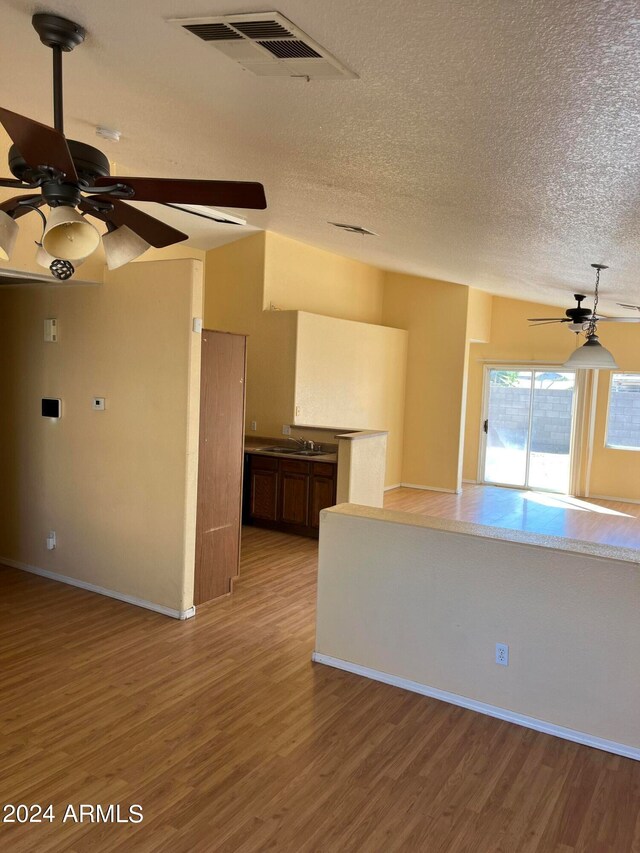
x,y
234,282
435,315
301,277
614,473
118,486
480,309
352,375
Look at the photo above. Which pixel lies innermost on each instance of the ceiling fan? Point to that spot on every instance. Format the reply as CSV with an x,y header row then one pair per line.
x,y
74,180
592,354
580,319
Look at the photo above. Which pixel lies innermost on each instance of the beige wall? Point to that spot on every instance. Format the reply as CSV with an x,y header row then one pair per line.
x,y
362,469
435,315
352,375
117,486
428,605
300,277
614,473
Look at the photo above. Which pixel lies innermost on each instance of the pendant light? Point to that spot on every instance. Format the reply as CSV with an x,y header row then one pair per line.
x,y
122,245
68,235
592,355
8,233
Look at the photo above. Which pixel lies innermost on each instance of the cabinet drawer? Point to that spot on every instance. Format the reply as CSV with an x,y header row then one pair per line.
x,y
263,463
294,466
324,469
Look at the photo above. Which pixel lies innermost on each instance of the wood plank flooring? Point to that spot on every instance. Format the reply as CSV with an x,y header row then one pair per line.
x,y
608,522
232,740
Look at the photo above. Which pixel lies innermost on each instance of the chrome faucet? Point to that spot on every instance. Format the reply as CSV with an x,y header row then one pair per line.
x,y
305,444
301,442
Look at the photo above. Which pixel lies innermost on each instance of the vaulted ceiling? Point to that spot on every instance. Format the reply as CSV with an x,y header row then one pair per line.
x,y
486,142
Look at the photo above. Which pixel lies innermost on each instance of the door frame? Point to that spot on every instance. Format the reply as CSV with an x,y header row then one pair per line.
x,y
574,445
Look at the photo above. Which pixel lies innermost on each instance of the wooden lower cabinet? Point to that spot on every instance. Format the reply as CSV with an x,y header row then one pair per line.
x,y
288,494
294,492
264,489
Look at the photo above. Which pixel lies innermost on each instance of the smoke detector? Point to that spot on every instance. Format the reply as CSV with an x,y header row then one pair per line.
x,y
267,44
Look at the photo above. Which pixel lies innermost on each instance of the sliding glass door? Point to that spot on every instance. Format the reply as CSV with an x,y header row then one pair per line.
x,y
528,428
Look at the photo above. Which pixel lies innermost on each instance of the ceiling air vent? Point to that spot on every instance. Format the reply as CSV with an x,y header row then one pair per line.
x,y
354,229
267,44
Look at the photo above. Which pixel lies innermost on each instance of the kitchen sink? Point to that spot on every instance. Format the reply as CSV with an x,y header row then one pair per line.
x,y
293,451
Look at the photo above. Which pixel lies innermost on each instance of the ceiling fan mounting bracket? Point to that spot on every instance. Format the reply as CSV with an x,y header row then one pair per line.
x,y
90,162
56,194
600,266
55,31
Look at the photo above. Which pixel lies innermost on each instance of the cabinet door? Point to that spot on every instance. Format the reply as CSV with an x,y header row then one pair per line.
x,y
323,494
294,498
264,494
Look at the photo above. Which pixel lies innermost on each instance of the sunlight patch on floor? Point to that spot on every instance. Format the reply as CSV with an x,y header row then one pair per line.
x,y
568,502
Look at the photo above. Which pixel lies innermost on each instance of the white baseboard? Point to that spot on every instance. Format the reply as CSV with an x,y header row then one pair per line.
x,y
482,707
610,498
91,587
395,486
430,488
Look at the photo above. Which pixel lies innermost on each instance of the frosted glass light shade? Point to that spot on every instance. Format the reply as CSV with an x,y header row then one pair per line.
x,y
121,246
591,355
8,234
44,259
68,235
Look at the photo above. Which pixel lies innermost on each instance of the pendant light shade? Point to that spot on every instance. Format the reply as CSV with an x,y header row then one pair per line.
x,y
121,246
68,235
8,233
44,259
591,355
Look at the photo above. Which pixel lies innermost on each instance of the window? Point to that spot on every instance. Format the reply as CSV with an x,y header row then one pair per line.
x,y
623,425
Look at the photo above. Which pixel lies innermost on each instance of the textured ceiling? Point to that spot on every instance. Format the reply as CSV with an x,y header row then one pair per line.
x,y
486,142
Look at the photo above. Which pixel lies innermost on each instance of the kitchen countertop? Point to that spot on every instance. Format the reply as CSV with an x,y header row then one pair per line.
x,y
254,446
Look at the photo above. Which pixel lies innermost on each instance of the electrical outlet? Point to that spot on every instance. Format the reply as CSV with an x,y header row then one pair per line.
x,y
98,404
502,654
51,540
254,425
286,429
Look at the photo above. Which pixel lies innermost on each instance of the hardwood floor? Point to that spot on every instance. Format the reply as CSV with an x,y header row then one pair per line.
x,y
232,740
608,522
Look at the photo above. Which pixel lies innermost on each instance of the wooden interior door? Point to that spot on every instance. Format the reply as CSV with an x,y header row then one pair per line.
x,y
219,464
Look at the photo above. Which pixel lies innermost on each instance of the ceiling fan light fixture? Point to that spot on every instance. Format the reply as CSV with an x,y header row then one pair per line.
x,y
121,246
8,235
44,259
68,235
591,355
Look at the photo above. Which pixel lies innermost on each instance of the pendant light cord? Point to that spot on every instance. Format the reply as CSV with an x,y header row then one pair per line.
x,y
592,322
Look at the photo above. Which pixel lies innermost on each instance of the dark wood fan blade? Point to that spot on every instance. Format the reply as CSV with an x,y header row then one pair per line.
x,y
155,232
39,145
16,206
246,194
